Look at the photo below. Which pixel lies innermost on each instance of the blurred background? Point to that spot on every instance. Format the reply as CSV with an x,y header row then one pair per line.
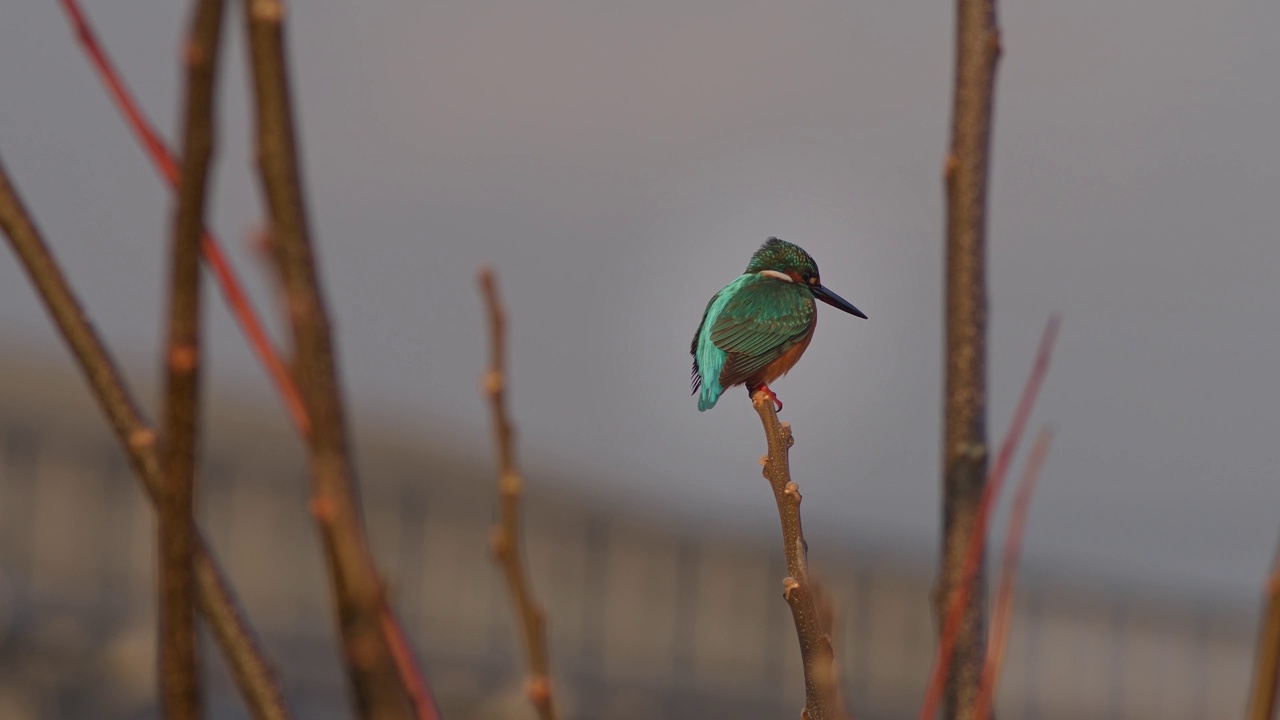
x,y
618,164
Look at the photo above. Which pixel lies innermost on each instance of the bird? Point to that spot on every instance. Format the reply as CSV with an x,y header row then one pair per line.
x,y
756,328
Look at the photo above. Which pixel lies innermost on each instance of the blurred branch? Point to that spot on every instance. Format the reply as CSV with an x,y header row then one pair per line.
x,y
357,589
506,539
411,676
254,676
821,687
237,299
968,576
178,653
1266,667
965,444
1001,617
242,310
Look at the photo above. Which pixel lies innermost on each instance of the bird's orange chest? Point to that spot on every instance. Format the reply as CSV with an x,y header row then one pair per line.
x,y
786,360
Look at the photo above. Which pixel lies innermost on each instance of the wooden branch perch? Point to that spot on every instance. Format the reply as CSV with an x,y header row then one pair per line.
x,y
821,687
357,589
178,653
1002,616
507,540
1266,666
965,444
253,674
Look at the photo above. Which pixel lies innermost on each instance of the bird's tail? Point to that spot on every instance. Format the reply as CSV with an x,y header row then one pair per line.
x,y
709,396
711,390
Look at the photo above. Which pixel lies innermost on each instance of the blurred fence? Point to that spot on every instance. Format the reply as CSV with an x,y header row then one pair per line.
x,y
645,621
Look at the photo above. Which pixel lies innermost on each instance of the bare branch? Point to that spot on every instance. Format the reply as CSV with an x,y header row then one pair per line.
x,y
821,687
964,450
357,589
506,540
968,575
1001,618
253,674
1266,666
178,653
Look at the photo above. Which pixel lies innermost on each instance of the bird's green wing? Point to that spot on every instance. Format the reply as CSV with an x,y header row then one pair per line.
x,y
764,319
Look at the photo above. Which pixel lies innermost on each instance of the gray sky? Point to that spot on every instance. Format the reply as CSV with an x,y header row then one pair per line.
x,y
619,162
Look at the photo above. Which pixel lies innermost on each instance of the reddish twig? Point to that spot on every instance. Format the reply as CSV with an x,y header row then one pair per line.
x,y
155,147
506,540
1266,665
411,675
242,310
959,601
1001,617
233,292
178,652
357,590
253,674
821,687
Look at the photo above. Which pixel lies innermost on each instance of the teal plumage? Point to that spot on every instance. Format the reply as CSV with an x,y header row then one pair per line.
x,y
755,329
747,325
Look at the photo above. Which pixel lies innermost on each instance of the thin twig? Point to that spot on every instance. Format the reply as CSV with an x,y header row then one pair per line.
x,y
357,590
507,540
253,674
1266,666
1001,616
964,447
167,165
178,653
821,688
971,561
411,675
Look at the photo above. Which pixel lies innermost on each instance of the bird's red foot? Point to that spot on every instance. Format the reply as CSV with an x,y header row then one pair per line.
x,y
765,389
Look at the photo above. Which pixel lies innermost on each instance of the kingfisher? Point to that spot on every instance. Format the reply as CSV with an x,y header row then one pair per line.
x,y
756,328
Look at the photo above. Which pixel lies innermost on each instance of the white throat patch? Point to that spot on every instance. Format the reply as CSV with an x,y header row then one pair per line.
x,y
776,275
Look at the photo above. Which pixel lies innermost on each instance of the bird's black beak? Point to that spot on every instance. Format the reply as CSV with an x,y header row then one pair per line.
x,y
835,301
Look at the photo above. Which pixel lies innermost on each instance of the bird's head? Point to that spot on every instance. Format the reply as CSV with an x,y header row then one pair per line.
x,y
789,262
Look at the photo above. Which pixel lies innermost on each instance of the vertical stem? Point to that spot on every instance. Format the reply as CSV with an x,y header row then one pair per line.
x,y
178,651
357,589
507,539
964,460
